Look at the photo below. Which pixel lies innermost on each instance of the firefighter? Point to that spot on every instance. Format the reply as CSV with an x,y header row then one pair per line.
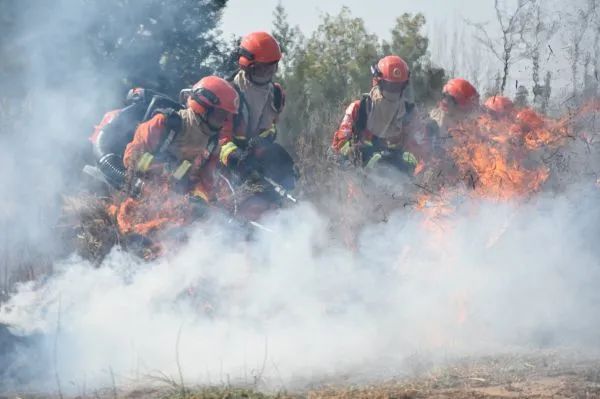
x,y
117,128
530,129
249,143
499,107
135,96
184,143
379,125
460,101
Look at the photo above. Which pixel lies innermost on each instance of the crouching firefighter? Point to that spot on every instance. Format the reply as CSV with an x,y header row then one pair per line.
x,y
377,128
116,130
183,144
459,104
248,146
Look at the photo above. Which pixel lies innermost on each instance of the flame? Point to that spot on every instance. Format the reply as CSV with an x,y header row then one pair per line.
x,y
161,207
155,211
496,161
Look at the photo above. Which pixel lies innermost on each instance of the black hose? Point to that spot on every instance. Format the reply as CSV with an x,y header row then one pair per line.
x,y
111,166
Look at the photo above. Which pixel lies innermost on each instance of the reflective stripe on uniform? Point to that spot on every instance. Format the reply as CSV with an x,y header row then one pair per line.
x,y
345,150
270,132
144,163
226,150
374,159
182,169
409,158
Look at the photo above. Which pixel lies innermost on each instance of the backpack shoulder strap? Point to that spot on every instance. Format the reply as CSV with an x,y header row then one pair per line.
x,y
410,112
173,125
364,108
278,97
243,109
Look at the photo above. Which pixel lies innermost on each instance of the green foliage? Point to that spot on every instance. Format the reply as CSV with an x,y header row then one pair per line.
x,y
427,82
336,61
290,38
161,44
165,44
409,42
330,69
230,63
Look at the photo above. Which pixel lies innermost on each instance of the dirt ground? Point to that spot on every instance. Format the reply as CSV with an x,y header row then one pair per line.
x,y
533,376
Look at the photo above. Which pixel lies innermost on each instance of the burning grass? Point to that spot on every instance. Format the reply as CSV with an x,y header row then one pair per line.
x,y
489,158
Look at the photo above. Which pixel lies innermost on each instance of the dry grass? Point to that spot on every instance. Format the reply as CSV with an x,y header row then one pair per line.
x,y
87,227
544,376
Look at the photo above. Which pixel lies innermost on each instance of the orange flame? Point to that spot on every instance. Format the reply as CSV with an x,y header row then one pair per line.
x,y
496,161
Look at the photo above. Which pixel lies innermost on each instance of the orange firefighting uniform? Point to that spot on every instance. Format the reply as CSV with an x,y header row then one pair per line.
x,y
388,122
260,107
190,150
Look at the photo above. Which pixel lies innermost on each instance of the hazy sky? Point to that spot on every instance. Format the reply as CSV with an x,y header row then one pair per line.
x,y
242,16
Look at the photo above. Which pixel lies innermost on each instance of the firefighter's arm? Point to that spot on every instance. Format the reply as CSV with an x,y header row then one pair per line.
x,y
343,137
148,135
235,149
231,143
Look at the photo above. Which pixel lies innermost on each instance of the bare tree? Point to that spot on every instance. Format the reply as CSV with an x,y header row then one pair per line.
x,y
536,31
577,25
503,47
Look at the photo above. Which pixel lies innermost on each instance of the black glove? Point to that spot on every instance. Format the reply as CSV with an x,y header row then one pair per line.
x,y
258,142
242,163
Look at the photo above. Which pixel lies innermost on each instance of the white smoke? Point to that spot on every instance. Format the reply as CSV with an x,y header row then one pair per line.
x,y
297,305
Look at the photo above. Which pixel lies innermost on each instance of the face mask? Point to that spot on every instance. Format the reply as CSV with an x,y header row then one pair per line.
x,y
392,91
216,118
391,96
262,73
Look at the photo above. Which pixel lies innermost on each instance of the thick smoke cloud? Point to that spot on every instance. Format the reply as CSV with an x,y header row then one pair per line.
x,y
296,305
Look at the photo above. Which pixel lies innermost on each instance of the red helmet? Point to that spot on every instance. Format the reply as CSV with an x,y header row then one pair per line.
x,y
391,69
499,105
213,92
259,47
462,92
530,119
